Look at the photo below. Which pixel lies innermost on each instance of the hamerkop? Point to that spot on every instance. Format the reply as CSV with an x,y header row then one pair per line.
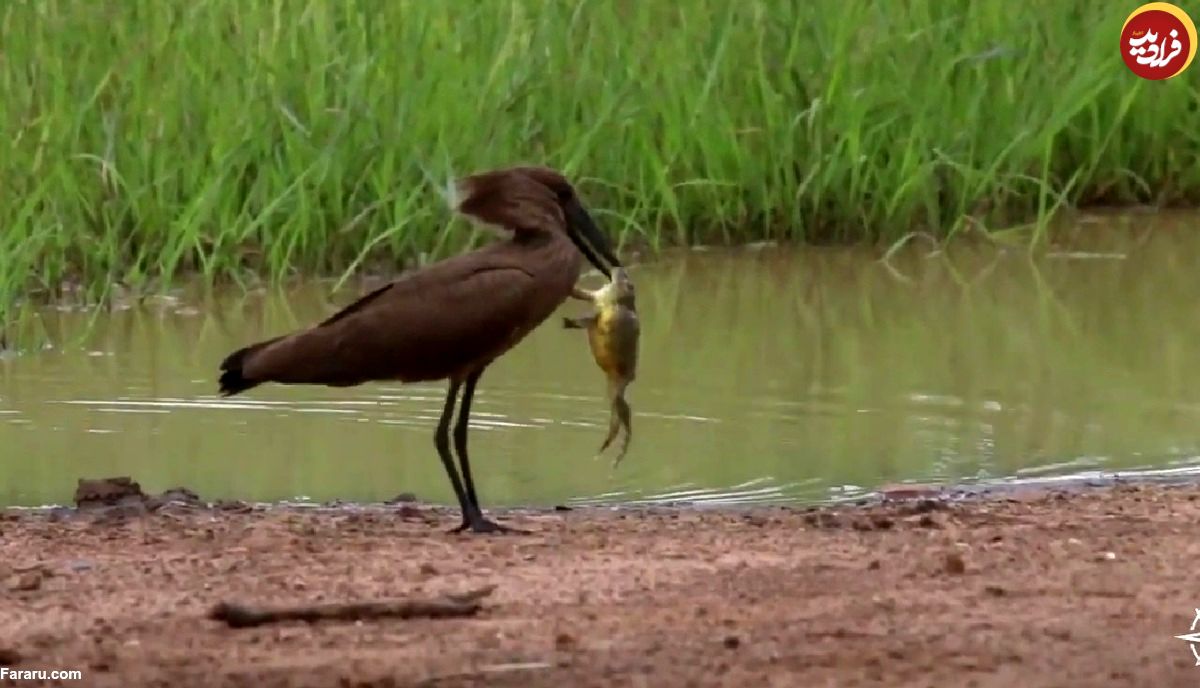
x,y
451,319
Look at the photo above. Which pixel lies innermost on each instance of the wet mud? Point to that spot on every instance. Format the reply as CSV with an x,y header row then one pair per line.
x,y
1036,587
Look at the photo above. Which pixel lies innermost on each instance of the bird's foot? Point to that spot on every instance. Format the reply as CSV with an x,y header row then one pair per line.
x,y
479,524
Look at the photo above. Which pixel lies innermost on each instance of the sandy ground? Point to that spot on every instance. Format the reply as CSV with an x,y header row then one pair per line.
x,y
1042,589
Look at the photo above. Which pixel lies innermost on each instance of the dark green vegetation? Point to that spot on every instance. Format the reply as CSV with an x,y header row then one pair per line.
x,y
139,140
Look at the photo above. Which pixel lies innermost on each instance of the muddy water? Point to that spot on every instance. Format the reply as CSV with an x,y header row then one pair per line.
x,y
766,375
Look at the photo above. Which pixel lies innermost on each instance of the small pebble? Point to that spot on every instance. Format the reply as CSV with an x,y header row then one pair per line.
x,y
25,582
954,564
408,511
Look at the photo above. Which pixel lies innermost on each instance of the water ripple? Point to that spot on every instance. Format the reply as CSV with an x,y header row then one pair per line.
x,y
765,490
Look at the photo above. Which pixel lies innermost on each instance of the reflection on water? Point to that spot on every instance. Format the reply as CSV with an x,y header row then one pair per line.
x,y
766,375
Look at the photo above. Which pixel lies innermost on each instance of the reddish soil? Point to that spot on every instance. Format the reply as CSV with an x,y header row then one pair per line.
x,y
1041,590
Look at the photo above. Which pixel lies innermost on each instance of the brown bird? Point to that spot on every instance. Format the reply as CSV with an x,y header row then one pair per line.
x,y
451,319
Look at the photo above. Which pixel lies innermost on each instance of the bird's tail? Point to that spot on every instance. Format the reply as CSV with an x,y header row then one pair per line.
x,y
233,379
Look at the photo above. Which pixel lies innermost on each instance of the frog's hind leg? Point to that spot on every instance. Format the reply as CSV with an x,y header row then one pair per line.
x,y
618,412
622,408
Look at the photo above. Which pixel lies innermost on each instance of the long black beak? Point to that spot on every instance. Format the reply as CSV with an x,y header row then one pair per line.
x,y
590,240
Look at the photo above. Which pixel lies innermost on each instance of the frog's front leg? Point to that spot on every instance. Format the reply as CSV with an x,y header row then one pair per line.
x,y
579,323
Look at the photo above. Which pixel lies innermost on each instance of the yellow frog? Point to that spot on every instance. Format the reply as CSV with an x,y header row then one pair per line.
x,y
612,332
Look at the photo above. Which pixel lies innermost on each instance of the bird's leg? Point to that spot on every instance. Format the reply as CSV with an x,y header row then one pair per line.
x,y
582,295
472,515
441,439
460,439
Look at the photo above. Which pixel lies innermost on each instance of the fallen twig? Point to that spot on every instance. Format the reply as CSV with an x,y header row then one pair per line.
x,y
447,606
492,669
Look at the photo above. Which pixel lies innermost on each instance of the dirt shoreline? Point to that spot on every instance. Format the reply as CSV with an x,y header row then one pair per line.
x,y
1035,587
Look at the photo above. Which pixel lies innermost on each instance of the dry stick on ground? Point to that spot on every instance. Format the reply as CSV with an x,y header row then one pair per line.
x,y
446,606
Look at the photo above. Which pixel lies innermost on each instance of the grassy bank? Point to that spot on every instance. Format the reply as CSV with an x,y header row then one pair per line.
x,y
142,139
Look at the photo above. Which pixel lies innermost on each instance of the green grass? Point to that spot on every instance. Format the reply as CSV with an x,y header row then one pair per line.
x,y
146,139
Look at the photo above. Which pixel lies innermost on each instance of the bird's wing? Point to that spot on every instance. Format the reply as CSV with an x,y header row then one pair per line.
x,y
437,320
426,326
